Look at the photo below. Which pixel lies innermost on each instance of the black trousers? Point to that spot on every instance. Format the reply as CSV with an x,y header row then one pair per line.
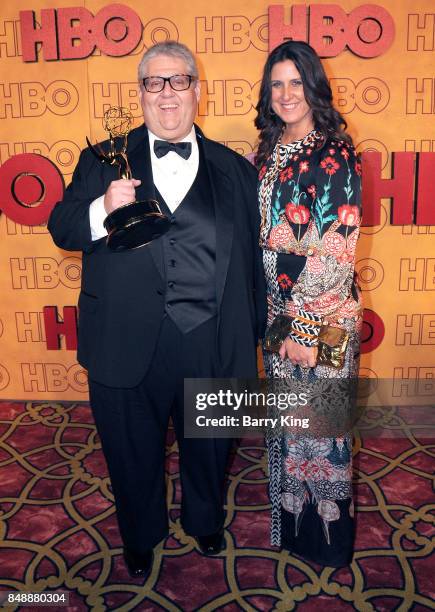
x,y
132,425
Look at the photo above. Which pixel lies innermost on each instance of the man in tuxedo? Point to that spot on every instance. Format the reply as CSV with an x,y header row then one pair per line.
x,y
189,304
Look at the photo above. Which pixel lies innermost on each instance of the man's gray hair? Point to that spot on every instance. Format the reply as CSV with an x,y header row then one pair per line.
x,y
172,48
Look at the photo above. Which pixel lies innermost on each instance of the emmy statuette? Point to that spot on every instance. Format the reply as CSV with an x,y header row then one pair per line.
x,y
134,224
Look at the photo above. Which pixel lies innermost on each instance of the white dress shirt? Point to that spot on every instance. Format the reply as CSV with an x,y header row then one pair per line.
x,y
173,177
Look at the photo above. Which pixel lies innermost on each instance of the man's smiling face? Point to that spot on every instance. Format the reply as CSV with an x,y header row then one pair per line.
x,y
169,114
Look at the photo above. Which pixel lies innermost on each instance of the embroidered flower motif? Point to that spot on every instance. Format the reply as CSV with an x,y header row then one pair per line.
x,y
297,467
280,236
333,243
320,469
331,151
315,265
358,168
303,167
330,165
291,503
304,447
352,240
326,302
284,281
345,258
262,172
297,213
348,214
285,175
345,152
312,191
328,510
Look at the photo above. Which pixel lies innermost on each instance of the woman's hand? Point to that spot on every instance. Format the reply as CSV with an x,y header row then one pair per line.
x,y
304,356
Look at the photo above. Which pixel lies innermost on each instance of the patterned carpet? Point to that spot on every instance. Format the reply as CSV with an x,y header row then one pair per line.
x,y
58,530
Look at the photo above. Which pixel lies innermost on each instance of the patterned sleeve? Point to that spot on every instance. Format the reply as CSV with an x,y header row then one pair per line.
x,y
325,283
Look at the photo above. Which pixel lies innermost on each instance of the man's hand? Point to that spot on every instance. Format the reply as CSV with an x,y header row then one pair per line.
x,y
119,193
304,356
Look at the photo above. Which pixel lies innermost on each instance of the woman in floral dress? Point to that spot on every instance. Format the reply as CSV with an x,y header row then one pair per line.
x,y
309,195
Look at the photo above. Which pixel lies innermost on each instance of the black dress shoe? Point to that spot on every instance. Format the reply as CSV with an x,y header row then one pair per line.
x,y
138,565
211,544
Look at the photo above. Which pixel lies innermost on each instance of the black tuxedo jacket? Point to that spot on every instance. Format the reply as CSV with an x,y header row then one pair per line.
x,y
122,299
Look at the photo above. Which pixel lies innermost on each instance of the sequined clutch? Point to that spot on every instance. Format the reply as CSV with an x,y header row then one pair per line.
x,y
332,344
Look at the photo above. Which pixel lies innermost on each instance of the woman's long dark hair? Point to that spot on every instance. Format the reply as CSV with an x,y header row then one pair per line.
x,y
317,93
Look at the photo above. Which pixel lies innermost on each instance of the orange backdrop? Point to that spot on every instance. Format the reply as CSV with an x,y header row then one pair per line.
x,y
49,106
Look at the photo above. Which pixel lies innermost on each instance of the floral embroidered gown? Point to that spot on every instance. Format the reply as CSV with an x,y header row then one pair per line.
x,y
309,194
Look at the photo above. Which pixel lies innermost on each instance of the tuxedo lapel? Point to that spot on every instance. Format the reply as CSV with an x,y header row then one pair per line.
x,y
224,213
138,153
139,158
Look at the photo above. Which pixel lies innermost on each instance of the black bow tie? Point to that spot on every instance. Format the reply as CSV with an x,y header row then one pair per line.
x,y
162,147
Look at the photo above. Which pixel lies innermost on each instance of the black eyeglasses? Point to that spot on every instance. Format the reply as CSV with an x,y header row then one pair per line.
x,y
178,82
